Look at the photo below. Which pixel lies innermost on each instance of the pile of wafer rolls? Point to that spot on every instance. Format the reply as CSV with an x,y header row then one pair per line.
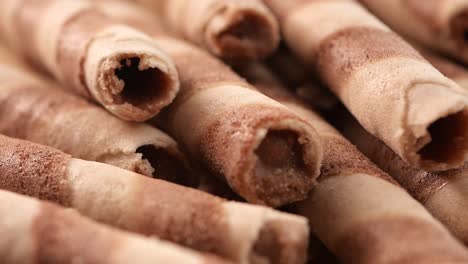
x,y
234,131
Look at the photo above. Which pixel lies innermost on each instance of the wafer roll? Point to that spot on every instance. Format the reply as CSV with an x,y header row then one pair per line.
x,y
444,194
38,111
438,24
40,232
112,64
232,29
387,85
358,211
265,152
241,232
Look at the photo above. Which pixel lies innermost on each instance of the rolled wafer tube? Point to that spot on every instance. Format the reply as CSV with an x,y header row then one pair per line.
x,y
240,232
265,152
444,194
114,65
37,110
438,24
358,211
387,85
37,232
232,29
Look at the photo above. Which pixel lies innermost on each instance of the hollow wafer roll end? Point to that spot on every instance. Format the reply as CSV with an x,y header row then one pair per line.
x,y
133,79
242,29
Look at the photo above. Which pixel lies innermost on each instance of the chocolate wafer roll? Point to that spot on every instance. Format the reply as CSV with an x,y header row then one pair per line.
x,y
241,232
112,64
35,232
387,85
265,152
37,110
232,29
358,211
444,194
438,24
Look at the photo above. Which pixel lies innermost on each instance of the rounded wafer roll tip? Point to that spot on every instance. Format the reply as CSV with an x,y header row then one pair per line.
x,y
132,79
277,161
242,30
40,232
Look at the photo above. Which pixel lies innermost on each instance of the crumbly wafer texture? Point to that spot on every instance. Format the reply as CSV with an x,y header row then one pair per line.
x,y
179,214
40,232
442,193
232,129
232,29
39,111
92,55
349,209
387,85
437,24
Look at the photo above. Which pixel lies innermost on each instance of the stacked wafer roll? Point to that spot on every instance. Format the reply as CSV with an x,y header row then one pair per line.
x,y
112,64
39,111
35,232
232,29
265,152
241,232
358,211
387,85
445,194
438,24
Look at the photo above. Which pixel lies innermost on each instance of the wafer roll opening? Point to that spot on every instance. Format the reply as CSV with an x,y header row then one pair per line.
x,y
449,139
459,28
241,33
276,244
283,166
167,165
138,81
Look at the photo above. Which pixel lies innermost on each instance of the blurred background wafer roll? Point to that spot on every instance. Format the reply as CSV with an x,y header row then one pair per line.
x,y
114,65
232,29
360,213
387,85
241,232
438,24
444,194
39,111
36,232
265,152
